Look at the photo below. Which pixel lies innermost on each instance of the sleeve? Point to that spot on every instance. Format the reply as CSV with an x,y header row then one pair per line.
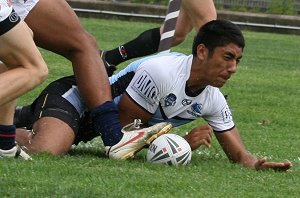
x,y
148,85
220,116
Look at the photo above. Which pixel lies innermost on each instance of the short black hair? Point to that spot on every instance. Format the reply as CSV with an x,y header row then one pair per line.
x,y
218,33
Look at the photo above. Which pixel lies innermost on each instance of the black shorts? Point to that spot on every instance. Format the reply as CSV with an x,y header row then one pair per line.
x,y
11,21
50,103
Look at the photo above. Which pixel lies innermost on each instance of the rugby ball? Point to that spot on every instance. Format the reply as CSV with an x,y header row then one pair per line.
x,y
169,149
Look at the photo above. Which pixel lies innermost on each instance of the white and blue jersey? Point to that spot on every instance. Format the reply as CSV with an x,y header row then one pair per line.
x,y
158,85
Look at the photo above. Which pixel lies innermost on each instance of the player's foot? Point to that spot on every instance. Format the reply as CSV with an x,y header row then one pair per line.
x,y
15,152
135,138
110,68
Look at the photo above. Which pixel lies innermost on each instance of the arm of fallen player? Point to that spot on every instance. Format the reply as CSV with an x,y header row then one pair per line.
x,y
201,135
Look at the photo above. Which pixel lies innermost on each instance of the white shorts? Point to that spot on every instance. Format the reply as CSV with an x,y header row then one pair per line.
x,y
24,7
5,9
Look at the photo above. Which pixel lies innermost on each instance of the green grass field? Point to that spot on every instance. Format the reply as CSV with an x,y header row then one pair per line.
x,y
264,96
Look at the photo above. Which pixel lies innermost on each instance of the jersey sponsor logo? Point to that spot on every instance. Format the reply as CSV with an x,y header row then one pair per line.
x,y
195,110
170,100
226,114
186,102
146,88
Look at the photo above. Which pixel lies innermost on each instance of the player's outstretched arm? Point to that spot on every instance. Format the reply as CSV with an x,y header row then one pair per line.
x,y
234,148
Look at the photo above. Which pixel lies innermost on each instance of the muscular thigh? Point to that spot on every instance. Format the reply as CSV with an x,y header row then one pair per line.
x,y
17,47
10,29
51,135
56,26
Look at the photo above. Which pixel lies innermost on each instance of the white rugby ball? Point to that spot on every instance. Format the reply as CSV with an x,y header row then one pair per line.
x,y
169,149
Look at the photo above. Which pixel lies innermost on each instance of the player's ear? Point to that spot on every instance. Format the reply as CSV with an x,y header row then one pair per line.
x,y
202,52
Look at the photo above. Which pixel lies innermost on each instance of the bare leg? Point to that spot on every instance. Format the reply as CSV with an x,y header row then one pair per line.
x,y
24,70
57,28
183,27
7,113
51,135
193,14
26,67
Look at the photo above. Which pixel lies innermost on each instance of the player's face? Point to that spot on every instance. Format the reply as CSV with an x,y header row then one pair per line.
x,y
222,64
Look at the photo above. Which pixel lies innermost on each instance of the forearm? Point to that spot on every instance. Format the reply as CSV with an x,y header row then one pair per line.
x,y
235,150
237,153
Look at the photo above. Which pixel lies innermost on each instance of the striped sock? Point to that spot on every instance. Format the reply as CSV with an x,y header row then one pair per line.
x,y
7,136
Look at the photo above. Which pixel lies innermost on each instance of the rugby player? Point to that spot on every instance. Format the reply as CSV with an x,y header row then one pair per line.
x,y
168,87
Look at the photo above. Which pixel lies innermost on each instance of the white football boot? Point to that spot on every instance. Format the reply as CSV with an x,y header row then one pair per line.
x,y
15,152
135,138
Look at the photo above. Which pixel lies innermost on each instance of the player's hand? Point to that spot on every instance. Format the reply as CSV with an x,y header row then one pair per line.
x,y
198,136
263,164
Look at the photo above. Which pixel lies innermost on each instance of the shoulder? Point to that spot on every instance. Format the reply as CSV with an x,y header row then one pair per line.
x,y
215,92
214,99
163,65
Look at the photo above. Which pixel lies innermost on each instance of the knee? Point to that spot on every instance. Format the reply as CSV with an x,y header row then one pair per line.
x,y
43,72
39,73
